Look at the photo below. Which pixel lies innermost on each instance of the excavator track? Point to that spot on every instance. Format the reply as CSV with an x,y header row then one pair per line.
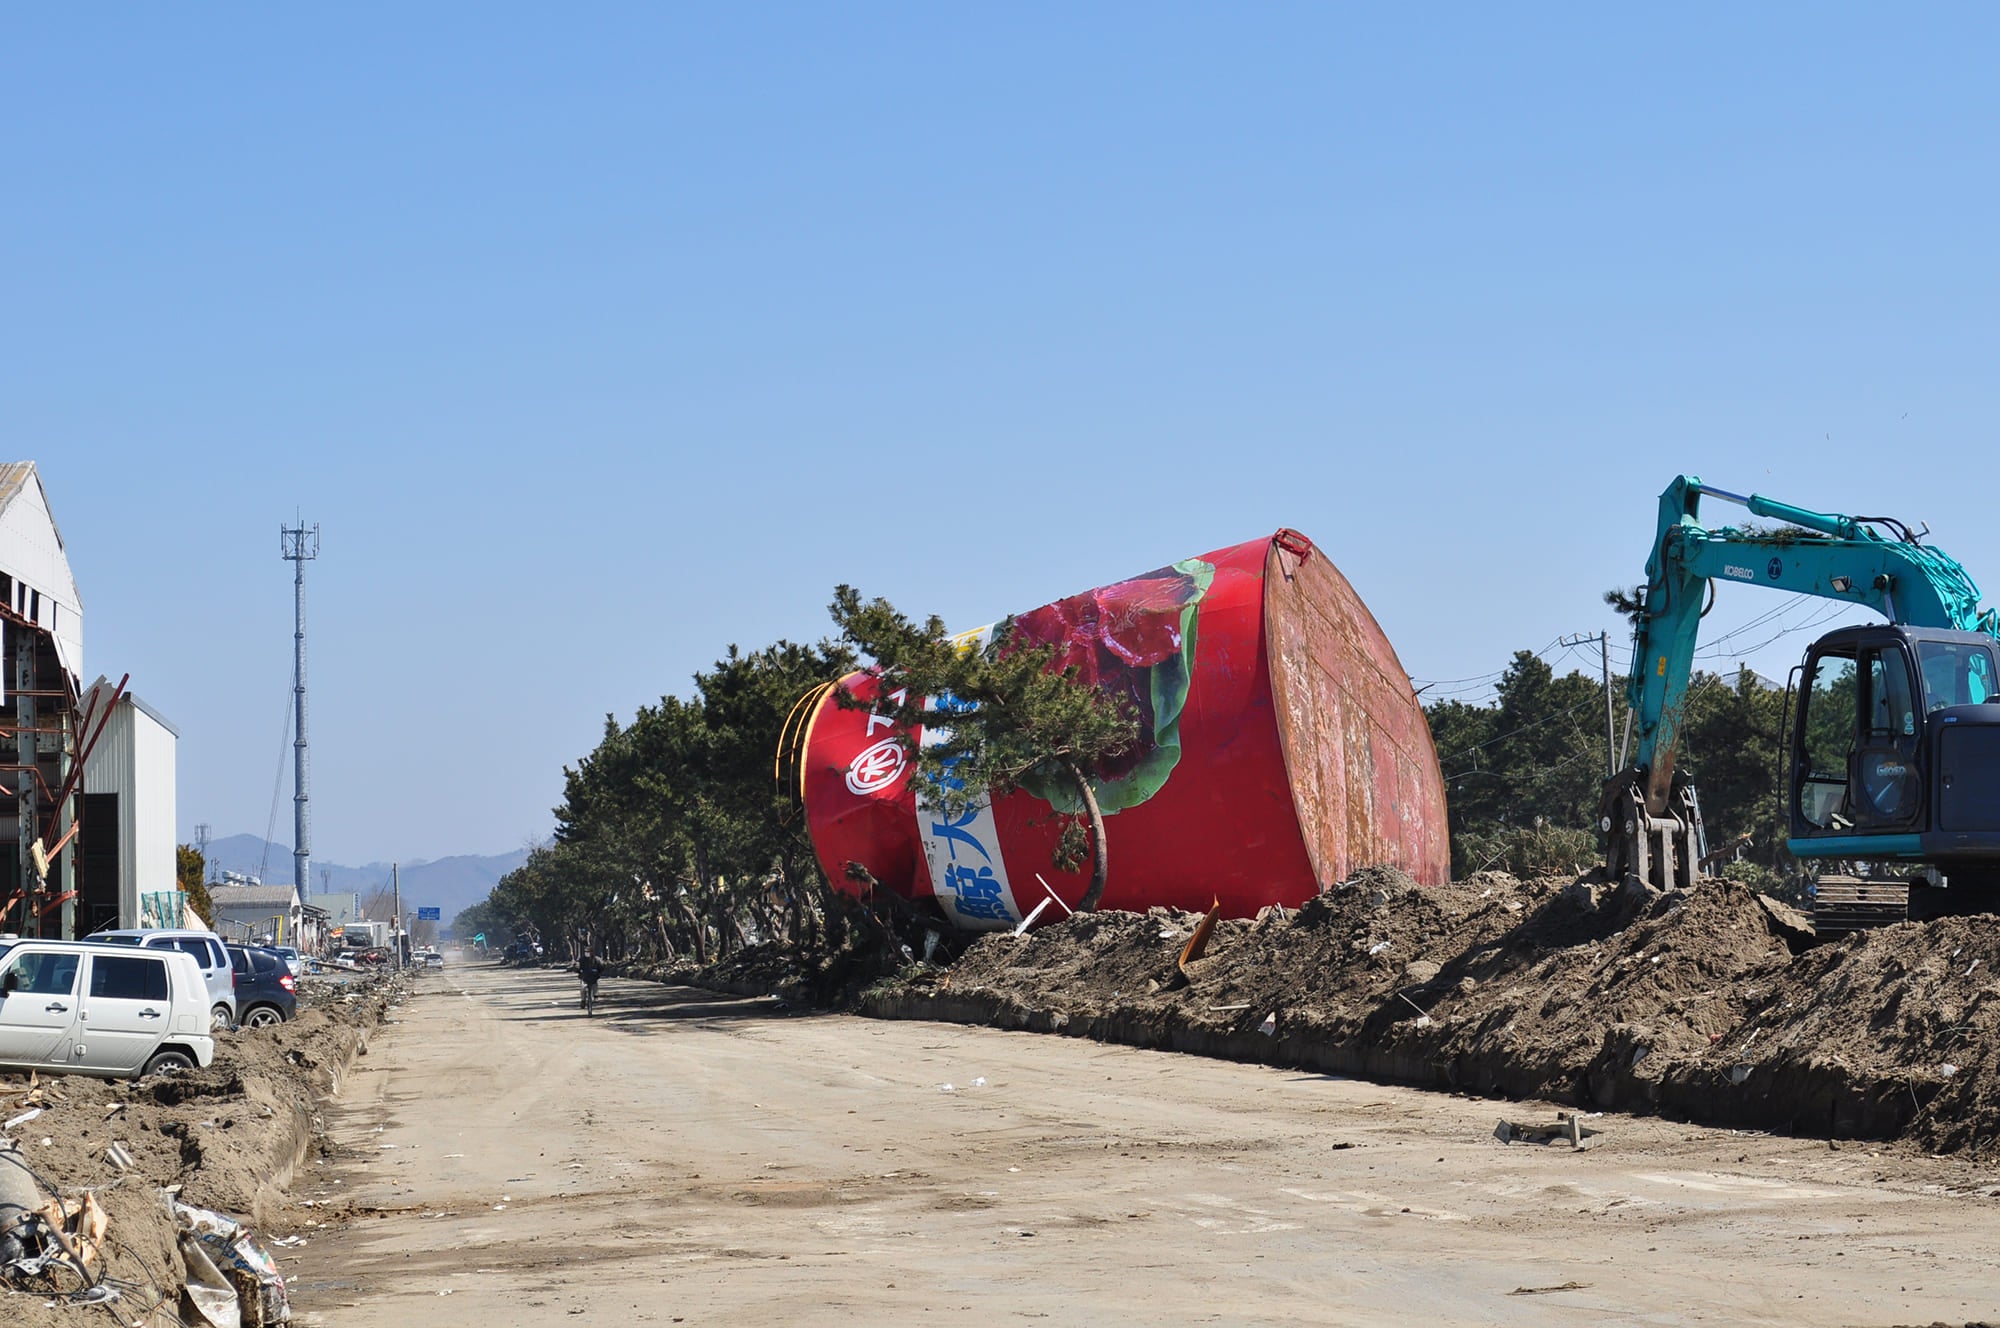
x,y
1843,904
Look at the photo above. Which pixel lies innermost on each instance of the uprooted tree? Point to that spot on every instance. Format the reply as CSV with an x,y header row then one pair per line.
x,y
999,715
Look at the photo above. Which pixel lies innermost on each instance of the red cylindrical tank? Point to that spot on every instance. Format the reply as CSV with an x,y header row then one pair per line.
x,y
1282,748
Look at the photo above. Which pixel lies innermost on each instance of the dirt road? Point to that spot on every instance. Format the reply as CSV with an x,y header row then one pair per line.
x,y
689,1158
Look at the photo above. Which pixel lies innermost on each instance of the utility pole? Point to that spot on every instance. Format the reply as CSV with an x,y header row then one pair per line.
x,y
396,916
1603,642
1610,725
301,546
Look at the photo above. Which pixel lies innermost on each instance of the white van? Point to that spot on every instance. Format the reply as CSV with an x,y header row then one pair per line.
x,y
107,1010
205,946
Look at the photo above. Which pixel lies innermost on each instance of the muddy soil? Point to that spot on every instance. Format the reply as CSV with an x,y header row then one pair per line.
x,y
1711,1005
229,1136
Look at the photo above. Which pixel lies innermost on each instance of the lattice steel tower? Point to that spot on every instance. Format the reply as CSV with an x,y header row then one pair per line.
x,y
301,546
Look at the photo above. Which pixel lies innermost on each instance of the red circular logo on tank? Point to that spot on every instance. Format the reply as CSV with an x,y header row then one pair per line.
x,y
876,768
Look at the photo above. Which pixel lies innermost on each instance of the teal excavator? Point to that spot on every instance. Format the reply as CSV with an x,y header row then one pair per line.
x,y
1893,742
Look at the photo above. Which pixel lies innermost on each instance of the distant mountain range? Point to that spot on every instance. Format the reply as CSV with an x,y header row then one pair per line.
x,y
448,884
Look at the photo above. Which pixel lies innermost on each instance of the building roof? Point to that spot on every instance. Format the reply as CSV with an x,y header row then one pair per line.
x,y
252,896
103,686
31,551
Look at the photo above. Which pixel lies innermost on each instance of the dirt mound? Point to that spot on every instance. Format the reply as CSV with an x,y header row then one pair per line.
x,y
1703,1004
228,1135
1912,1009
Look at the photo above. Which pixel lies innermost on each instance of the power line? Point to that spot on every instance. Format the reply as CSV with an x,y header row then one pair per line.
x,y
1524,728
1563,764
1479,682
1832,612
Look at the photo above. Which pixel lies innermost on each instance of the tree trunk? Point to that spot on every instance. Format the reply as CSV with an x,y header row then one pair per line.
x,y
800,905
1098,868
833,917
695,933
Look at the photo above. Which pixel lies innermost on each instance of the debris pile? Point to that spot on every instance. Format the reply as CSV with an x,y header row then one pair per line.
x,y
1705,1004
231,1279
141,1196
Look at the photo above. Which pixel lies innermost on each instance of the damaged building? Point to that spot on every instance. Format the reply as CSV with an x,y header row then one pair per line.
x,y
41,658
87,784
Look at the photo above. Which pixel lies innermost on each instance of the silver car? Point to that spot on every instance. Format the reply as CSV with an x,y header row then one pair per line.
x,y
205,946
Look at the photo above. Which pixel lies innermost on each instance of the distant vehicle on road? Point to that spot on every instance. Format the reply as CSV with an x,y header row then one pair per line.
x,y
266,991
293,959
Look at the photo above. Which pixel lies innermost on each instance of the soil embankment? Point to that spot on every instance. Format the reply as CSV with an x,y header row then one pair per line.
x,y
228,1136
1708,1005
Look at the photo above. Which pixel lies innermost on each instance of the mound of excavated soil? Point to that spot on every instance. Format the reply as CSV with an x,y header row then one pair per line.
x,y
229,1136
1692,1004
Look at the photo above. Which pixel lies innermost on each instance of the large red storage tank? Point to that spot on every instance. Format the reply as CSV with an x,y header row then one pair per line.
x,y
1282,748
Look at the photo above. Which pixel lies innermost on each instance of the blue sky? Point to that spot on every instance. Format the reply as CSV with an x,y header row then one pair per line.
x,y
597,338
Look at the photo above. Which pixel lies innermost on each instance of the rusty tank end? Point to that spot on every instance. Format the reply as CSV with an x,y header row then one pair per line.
x,y
1364,772
1281,748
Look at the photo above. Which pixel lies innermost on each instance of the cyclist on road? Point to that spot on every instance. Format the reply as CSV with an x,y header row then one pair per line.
x,y
588,970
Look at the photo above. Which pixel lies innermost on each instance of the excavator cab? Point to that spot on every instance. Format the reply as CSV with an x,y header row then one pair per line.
x,y
1895,753
1857,759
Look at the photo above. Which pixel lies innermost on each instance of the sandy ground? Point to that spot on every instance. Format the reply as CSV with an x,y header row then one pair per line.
x,y
690,1158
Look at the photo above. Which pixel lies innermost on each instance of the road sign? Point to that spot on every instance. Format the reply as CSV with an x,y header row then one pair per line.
x,y
430,914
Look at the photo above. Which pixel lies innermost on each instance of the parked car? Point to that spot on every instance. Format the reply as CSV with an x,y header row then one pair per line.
x,y
205,946
266,991
78,1007
293,959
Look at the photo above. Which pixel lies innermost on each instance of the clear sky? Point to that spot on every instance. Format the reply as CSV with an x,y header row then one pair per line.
x,y
598,337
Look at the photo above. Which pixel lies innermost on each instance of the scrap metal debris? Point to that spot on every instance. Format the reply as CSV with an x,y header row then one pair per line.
x,y
238,1280
1568,1126
51,1245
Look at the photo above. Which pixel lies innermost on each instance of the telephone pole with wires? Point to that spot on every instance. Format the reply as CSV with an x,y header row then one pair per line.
x,y
1603,642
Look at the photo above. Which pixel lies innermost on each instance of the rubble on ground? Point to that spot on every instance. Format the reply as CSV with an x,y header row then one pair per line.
x,y
182,1168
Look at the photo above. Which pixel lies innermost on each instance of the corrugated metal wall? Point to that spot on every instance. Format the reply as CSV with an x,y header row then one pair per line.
x,y
135,760
153,822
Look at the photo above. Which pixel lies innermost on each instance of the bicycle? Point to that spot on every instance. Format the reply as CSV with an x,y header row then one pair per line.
x,y
589,996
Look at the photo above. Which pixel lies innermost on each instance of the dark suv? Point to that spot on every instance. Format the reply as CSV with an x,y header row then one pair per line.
x,y
266,992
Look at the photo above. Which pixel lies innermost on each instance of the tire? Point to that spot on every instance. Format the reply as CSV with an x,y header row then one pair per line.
x,y
220,1016
168,1062
263,1016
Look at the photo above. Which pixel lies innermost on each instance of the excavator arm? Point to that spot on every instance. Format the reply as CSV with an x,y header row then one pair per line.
x,y
1875,562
